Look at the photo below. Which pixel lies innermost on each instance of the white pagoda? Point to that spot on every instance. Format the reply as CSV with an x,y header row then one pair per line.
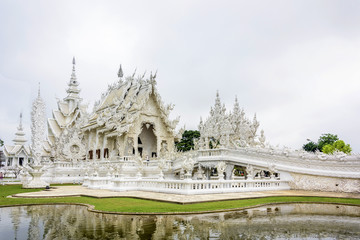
x,y
19,154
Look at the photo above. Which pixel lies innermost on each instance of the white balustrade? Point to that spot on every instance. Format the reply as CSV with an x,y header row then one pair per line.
x,y
186,186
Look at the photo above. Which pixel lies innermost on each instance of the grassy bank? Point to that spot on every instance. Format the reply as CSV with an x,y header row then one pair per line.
x,y
143,206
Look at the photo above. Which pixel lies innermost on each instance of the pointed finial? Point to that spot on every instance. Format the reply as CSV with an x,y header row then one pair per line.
x,y
217,99
20,125
134,73
39,90
152,79
120,72
73,74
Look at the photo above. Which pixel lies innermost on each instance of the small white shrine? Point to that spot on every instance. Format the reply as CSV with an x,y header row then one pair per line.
x,y
127,143
19,154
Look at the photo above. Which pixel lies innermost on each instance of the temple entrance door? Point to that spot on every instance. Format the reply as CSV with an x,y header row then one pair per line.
x,y
21,160
148,140
140,150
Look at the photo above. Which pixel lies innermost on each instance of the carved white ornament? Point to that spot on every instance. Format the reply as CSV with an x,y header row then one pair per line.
x,y
228,130
38,128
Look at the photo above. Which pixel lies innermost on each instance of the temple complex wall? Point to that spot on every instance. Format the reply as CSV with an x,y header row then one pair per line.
x,y
320,183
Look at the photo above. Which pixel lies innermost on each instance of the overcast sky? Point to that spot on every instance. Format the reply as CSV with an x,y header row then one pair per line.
x,y
295,63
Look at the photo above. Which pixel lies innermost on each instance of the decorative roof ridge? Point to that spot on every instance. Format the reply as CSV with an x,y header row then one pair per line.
x,y
130,81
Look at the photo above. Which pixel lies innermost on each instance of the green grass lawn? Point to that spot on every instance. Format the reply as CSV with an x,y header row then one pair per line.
x,y
147,206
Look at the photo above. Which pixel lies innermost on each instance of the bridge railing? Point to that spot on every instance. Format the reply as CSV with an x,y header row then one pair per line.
x,y
341,165
185,186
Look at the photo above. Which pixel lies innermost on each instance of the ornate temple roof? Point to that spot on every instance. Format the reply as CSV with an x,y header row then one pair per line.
x,y
231,128
69,109
19,142
122,103
16,150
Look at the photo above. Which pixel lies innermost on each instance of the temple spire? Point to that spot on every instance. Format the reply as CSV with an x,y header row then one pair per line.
x,y
20,134
120,72
20,124
236,106
73,74
217,101
73,90
39,90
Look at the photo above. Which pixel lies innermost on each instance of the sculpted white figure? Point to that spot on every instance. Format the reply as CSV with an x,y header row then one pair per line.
x,y
188,165
220,167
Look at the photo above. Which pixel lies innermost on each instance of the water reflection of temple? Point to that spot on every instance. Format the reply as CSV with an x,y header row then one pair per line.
x,y
280,221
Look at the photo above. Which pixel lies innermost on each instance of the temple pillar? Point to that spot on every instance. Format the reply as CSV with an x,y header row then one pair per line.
x,y
90,137
136,144
158,146
102,151
120,142
207,143
229,171
170,145
96,145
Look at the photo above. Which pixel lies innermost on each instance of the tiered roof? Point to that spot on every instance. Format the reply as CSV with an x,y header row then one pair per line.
x,y
123,102
68,109
19,142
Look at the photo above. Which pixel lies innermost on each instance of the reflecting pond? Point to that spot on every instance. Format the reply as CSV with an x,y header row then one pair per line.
x,y
283,221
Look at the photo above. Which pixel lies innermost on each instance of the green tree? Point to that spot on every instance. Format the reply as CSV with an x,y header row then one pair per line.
x,y
187,141
328,149
325,139
1,143
310,146
339,145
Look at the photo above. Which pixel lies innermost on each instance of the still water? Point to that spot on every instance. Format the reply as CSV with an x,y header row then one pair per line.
x,y
290,221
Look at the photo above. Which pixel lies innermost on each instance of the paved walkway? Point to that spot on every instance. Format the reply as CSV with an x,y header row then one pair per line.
x,y
66,191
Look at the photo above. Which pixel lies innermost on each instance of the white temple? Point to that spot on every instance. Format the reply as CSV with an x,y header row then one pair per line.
x,y
127,143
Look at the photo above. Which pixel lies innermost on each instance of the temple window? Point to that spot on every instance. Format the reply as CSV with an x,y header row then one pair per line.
x,y
98,153
91,154
106,153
